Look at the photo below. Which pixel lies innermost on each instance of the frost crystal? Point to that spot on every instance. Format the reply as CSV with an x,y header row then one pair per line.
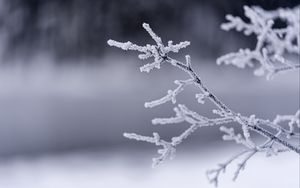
x,y
201,97
273,44
275,142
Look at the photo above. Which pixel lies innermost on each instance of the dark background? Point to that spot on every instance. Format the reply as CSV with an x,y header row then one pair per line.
x,y
78,28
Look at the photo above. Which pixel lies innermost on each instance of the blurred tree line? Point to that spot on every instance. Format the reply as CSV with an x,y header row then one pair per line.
x,y
80,28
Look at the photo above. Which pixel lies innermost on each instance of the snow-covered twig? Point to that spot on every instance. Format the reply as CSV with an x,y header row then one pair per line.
x,y
273,44
171,96
160,53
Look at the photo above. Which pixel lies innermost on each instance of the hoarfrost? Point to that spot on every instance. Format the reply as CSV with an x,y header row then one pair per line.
x,y
271,45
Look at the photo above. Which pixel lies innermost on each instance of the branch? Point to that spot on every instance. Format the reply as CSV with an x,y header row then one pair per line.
x,y
273,44
160,54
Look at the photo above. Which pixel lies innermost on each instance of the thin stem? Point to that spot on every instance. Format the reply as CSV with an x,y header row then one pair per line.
x,y
242,165
271,136
286,68
225,109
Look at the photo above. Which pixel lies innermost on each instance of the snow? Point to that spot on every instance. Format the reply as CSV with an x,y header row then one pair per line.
x,y
121,169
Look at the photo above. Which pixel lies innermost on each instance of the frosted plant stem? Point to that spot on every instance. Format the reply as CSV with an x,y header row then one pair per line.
x,y
214,174
242,165
275,126
286,68
160,53
274,45
225,109
275,138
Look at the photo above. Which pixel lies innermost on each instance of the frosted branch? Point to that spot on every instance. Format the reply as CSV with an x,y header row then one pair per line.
x,y
168,151
273,44
158,51
274,143
171,95
230,135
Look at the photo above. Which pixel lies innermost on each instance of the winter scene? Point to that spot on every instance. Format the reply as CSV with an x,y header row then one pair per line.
x,y
149,93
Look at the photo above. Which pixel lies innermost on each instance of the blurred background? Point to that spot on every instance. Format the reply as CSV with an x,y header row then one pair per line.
x,y
66,97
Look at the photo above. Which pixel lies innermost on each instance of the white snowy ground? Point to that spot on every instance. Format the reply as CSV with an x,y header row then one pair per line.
x,y
121,169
